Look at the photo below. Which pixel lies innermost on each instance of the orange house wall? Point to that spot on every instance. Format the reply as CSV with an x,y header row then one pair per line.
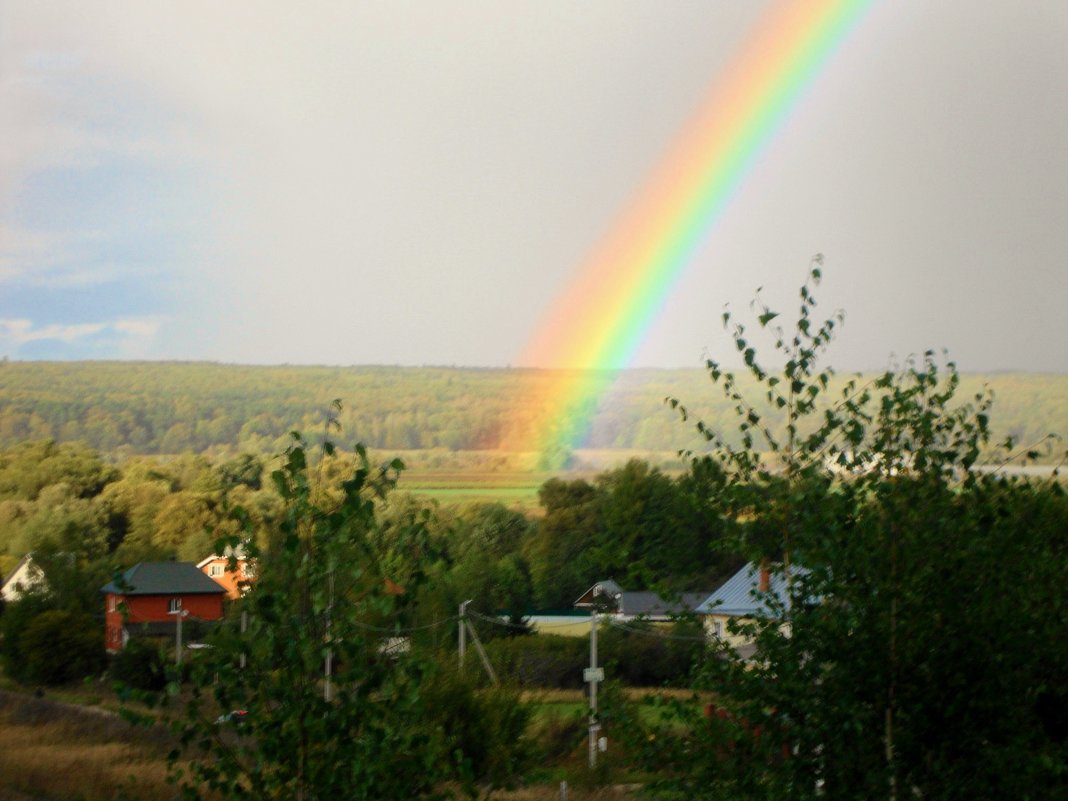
x,y
230,578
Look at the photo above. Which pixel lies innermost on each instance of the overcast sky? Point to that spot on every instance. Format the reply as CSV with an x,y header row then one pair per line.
x,y
414,183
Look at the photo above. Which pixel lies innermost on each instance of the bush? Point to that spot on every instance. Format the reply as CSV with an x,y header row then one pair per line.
x,y
639,656
542,660
140,665
648,656
486,728
17,616
60,646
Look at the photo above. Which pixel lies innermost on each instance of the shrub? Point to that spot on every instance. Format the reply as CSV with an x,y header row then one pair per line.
x,y
17,617
543,660
59,646
140,665
648,656
639,656
486,728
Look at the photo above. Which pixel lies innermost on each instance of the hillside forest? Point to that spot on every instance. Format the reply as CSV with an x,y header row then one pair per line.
x,y
136,408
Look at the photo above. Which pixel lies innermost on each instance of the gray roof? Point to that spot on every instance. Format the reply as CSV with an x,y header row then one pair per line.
x,y
164,578
641,602
649,603
738,596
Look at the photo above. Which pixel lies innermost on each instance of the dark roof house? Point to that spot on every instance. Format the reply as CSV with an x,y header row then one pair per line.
x,y
152,597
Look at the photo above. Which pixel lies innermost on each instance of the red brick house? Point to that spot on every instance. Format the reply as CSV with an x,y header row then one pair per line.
x,y
149,596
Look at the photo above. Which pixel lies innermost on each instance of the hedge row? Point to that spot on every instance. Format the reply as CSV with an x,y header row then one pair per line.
x,y
647,656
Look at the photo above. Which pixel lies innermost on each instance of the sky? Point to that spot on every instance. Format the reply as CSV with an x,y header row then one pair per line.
x,y
415,183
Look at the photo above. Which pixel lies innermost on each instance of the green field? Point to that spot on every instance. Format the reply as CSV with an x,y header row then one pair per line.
x,y
515,490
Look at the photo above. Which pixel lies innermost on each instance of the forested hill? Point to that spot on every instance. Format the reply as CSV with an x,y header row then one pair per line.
x,y
160,407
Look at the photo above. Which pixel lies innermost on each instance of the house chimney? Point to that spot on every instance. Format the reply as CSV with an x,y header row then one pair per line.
x,y
765,576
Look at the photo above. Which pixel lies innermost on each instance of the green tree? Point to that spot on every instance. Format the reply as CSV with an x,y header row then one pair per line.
x,y
331,712
28,468
559,553
914,649
18,615
245,470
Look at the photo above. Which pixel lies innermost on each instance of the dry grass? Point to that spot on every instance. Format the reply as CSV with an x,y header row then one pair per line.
x,y
632,693
50,750
619,792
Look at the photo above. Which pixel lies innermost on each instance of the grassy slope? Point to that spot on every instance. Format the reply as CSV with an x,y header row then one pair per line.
x,y
53,750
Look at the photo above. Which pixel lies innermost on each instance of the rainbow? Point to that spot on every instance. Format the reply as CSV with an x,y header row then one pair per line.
x,y
602,316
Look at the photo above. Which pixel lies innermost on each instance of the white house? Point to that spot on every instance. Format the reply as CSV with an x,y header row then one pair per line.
x,y
23,577
744,596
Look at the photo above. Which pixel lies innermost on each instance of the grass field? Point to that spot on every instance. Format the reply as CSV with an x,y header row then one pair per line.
x,y
58,749
507,482
516,490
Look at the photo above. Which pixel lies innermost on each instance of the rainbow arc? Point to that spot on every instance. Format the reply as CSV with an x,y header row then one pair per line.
x,y
601,318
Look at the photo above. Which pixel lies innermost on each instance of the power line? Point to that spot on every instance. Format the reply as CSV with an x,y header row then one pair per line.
x,y
408,630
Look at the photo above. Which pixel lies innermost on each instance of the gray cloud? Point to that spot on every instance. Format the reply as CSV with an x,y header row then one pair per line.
x,y
413,183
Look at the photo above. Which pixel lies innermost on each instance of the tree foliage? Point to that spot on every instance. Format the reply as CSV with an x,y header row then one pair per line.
x,y
919,651
634,524
43,644
332,710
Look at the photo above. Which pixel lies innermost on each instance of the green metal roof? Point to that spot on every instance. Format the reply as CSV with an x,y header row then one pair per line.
x,y
164,578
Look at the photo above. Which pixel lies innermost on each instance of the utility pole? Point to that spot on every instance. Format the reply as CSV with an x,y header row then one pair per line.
x,y
463,631
328,668
482,653
179,614
593,675
244,628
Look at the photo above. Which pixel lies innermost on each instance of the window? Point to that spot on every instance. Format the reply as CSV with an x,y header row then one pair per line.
x,y
113,603
717,628
175,605
215,571
248,570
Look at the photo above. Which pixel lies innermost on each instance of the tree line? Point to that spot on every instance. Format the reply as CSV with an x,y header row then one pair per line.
x,y
73,509
172,408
